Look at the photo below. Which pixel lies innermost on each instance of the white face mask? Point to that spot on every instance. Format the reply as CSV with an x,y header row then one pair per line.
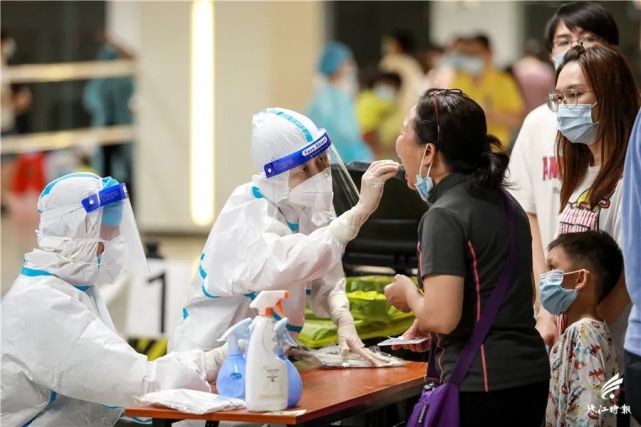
x,y
315,192
349,82
112,261
385,92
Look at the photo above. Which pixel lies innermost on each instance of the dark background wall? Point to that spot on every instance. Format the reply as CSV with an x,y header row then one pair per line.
x,y
362,25
50,32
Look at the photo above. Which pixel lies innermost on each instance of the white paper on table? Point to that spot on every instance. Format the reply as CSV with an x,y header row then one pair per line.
x,y
190,401
401,341
332,357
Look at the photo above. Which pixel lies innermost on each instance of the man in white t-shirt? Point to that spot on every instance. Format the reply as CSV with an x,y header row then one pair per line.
x,y
534,171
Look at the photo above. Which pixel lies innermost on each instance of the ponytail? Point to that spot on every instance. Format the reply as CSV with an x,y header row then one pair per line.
x,y
456,125
490,171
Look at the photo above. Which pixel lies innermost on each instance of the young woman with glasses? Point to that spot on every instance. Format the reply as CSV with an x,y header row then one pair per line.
x,y
596,101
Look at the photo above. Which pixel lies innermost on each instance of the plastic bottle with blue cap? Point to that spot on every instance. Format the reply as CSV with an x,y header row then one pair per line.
x,y
266,386
295,383
231,377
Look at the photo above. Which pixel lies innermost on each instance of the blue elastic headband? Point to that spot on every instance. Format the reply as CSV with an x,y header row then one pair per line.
x,y
304,155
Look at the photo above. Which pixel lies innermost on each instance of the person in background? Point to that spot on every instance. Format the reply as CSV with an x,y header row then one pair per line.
x,y
15,101
534,76
444,71
462,251
374,105
534,169
495,91
430,57
23,174
582,270
596,101
63,362
631,229
332,106
107,100
398,57
8,98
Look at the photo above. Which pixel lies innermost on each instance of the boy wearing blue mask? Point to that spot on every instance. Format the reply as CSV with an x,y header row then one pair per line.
x,y
583,269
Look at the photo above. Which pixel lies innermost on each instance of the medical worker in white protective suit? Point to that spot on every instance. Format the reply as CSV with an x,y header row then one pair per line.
x,y
280,231
63,364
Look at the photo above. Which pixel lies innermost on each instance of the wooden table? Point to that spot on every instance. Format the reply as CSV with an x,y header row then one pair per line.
x,y
328,396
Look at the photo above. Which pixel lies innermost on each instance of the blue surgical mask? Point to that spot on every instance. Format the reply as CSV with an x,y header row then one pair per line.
x,y
554,297
385,93
472,65
450,59
558,60
575,123
424,184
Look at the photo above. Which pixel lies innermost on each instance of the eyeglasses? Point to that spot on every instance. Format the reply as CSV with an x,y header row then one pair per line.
x,y
569,97
586,41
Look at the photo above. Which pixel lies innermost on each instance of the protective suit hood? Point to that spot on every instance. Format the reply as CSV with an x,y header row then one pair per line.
x,y
68,237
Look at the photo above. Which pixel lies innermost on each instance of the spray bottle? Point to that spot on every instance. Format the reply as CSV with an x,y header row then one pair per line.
x,y
295,383
231,377
266,386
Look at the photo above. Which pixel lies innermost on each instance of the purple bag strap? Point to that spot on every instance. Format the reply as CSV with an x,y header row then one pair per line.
x,y
482,327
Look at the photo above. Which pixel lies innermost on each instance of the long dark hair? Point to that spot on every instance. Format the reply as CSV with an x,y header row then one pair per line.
x,y
456,125
612,82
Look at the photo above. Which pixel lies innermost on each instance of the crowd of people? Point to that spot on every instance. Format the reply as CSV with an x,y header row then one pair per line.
x,y
401,76
566,171
565,125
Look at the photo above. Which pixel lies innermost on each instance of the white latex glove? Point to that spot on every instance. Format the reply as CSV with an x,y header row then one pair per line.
x,y
348,339
346,226
213,361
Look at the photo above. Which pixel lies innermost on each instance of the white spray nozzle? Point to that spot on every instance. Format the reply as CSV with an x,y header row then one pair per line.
x,y
266,301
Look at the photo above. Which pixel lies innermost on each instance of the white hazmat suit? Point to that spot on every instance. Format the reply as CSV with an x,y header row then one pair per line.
x,y
63,364
271,236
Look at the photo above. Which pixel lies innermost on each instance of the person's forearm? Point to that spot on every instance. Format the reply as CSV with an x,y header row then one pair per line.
x,y
426,315
538,259
617,300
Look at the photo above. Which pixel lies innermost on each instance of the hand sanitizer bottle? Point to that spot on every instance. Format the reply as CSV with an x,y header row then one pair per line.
x,y
266,386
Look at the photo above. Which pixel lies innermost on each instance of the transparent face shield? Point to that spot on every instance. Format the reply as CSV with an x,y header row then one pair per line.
x,y
123,248
316,176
